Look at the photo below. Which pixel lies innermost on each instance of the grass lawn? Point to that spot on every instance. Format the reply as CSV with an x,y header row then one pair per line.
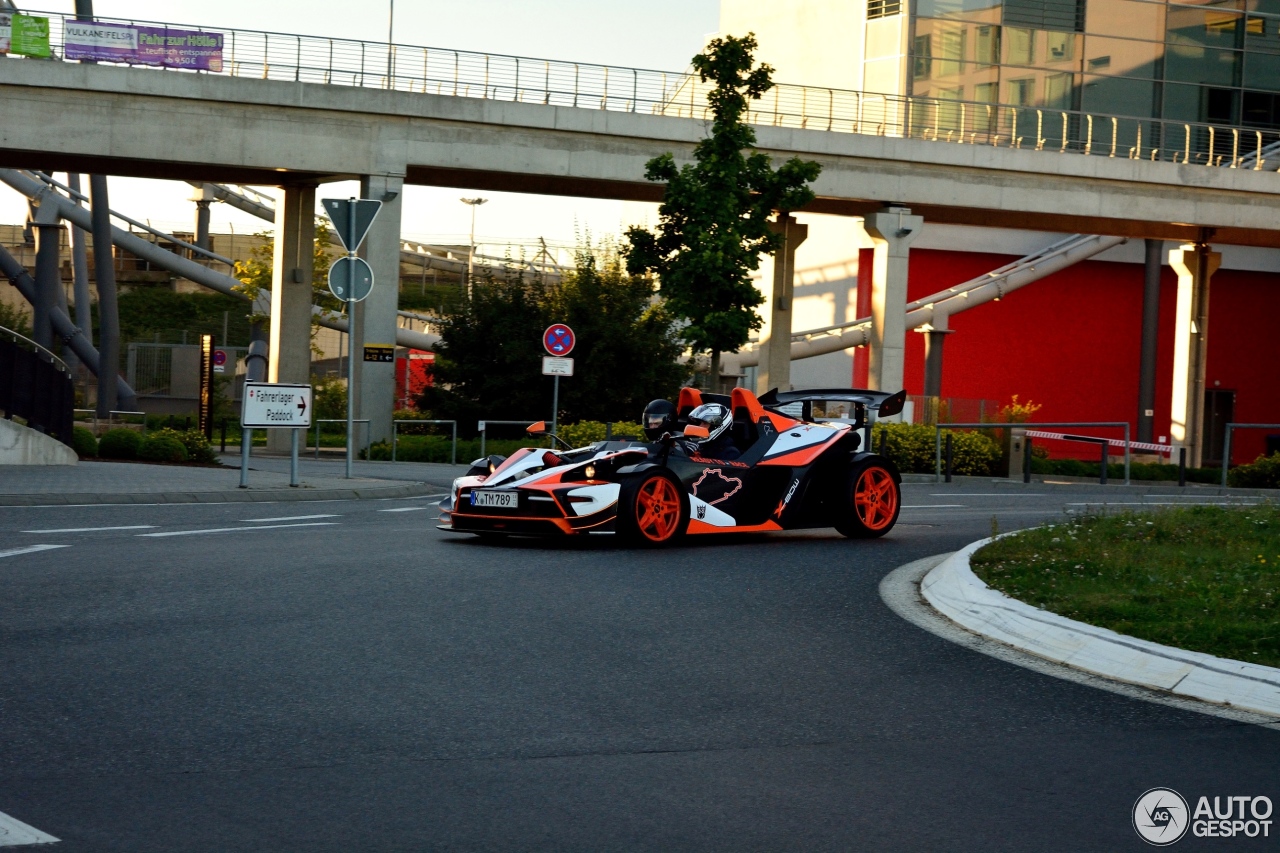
x,y
1201,578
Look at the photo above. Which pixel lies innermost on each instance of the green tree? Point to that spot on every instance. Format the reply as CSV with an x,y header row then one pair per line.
x,y
254,274
488,363
714,219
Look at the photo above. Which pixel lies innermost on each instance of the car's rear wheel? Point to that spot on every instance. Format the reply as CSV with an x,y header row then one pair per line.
x,y
872,501
653,509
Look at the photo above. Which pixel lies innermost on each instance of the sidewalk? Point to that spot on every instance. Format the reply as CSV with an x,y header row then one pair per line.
x,y
134,482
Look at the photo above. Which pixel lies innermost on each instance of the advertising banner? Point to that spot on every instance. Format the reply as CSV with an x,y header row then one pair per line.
x,y
159,46
24,35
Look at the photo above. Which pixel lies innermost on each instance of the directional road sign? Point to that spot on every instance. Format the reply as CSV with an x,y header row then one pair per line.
x,y
340,278
558,339
352,218
271,405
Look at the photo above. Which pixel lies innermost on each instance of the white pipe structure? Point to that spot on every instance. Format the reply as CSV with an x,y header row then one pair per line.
x,y
993,285
33,188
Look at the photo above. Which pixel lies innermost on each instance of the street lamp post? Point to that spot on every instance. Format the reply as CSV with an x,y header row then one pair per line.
x,y
471,246
391,51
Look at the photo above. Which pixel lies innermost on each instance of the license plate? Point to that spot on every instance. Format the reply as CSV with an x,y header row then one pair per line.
x,y
504,500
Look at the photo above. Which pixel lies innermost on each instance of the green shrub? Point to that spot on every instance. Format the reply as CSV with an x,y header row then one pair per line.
x,y
436,448
84,443
586,432
193,441
119,444
162,448
912,447
1261,473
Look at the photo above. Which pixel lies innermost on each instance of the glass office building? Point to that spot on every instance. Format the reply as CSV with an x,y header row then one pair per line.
x,y
1215,61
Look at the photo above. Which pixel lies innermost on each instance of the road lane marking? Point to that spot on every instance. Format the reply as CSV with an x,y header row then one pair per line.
x,y
985,495
292,518
234,529
1159,503
30,549
934,506
14,833
406,509
93,529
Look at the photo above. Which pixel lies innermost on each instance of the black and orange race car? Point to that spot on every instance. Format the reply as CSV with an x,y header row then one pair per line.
x,y
800,464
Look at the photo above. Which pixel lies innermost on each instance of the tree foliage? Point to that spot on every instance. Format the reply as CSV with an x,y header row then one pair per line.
x,y
714,218
254,274
488,364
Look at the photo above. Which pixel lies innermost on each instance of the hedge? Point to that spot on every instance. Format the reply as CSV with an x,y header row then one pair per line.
x,y
119,444
162,448
1261,473
912,448
197,447
84,443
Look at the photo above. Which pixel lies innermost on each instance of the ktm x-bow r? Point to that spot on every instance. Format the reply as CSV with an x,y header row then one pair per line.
x,y
800,464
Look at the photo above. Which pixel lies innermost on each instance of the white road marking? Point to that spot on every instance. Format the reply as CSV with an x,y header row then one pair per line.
x,y
405,509
14,833
234,529
934,506
292,518
93,529
1157,503
985,495
30,549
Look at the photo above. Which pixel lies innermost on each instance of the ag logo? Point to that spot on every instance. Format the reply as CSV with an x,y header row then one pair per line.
x,y
1160,816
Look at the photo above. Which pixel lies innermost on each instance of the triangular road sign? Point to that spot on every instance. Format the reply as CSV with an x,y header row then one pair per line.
x,y
351,218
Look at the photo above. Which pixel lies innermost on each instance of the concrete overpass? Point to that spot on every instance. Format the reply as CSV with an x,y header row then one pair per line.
x,y
298,134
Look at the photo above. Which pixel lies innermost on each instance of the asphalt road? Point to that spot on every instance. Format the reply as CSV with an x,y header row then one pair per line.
x,y
342,676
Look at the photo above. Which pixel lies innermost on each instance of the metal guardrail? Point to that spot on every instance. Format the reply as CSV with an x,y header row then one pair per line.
x,y
395,426
443,71
1226,443
41,352
483,427
938,428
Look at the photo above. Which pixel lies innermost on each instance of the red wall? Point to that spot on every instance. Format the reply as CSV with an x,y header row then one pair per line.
x,y
1070,342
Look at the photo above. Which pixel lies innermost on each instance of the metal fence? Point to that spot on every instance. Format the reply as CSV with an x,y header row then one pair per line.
x,y
467,74
1226,443
35,385
938,428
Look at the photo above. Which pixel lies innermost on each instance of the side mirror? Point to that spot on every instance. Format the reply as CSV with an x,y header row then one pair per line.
x,y
694,431
540,428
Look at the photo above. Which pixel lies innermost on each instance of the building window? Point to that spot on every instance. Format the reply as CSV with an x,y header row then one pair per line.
x,y
922,58
883,8
986,48
1022,92
1019,46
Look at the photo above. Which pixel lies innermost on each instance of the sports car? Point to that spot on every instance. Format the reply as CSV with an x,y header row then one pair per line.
x,y
801,463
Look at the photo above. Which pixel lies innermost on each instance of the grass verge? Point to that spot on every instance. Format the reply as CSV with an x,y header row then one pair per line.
x,y
1200,578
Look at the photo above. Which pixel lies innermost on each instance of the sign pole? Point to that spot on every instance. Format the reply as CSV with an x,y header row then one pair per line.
x,y
351,330
555,405
293,460
246,438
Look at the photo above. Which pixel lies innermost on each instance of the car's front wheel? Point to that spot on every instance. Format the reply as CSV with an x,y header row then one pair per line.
x,y
872,501
653,509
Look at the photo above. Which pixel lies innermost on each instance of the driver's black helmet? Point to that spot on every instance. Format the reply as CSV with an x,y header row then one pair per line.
x,y
659,418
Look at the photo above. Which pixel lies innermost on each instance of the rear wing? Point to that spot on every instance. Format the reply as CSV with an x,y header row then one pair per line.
x,y
810,404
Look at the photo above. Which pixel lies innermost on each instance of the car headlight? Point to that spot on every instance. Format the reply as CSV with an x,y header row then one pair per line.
x,y
590,472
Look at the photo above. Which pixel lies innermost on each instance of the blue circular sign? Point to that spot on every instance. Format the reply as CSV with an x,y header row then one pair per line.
x,y
558,339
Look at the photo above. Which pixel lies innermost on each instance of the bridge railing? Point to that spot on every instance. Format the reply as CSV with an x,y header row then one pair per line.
x,y
468,74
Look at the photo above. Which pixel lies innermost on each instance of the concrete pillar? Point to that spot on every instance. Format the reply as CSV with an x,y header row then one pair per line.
x,y
1150,330
203,198
80,267
1195,265
892,230
375,317
48,279
775,349
935,335
104,272
289,351
861,355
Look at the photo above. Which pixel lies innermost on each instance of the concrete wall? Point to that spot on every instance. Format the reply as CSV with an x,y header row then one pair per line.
x,y
20,445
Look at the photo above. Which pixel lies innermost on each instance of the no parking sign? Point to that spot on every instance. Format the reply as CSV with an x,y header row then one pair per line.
x,y
558,339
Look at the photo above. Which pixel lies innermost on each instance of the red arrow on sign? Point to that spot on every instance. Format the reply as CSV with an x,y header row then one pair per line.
x,y
302,403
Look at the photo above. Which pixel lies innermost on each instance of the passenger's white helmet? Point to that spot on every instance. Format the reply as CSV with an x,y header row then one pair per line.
x,y
715,417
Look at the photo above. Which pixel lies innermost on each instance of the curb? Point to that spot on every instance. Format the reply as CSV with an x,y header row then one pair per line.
x,y
410,490
956,592
1137,487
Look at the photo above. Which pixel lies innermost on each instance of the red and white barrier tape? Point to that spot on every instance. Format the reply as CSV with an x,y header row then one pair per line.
x,y
1113,442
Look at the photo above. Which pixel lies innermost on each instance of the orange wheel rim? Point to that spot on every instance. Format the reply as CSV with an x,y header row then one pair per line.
x,y
875,498
658,509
